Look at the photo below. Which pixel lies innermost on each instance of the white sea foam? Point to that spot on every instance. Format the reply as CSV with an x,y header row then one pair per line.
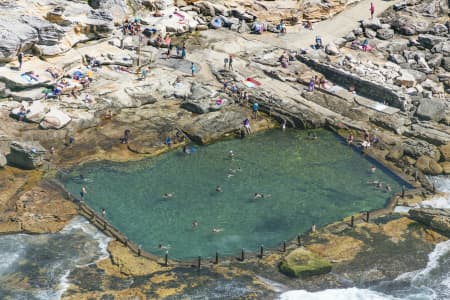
x,y
336,294
11,249
442,184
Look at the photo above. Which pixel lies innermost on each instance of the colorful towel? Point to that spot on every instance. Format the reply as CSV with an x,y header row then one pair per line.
x,y
251,83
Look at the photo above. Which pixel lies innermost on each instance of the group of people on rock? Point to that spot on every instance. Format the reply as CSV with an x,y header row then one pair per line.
x,y
131,27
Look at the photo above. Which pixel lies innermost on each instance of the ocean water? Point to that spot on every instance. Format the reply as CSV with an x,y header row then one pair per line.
x,y
429,283
36,267
303,181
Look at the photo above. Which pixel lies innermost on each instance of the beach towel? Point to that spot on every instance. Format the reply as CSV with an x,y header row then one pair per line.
x,y
369,48
28,77
251,83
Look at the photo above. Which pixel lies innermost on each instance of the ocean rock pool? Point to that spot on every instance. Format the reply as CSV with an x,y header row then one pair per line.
x,y
304,181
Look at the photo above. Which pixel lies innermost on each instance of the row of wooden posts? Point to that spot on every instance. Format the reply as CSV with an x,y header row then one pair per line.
x,y
103,224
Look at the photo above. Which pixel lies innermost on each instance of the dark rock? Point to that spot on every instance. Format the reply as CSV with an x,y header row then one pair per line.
x,y
429,41
437,219
3,161
26,155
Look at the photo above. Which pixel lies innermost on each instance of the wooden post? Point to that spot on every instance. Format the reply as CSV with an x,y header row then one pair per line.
x,y
284,246
139,251
242,254
217,258
434,189
166,259
352,221
367,216
299,240
261,251
199,262
403,191
126,243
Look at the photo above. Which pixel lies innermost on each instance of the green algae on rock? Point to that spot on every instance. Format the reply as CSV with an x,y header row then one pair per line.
x,y
302,262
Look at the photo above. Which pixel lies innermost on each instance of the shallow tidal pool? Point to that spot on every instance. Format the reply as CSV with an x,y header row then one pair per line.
x,y
304,181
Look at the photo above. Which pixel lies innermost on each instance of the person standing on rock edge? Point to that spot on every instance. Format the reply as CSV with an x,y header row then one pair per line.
x,y
83,193
20,59
255,109
193,69
372,9
230,62
183,52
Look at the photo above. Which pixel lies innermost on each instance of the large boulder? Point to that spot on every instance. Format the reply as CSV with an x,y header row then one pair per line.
x,y
428,166
302,262
55,119
142,94
26,155
429,40
437,219
331,49
445,152
385,33
373,24
211,126
430,109
395,154
405,79
35,111
417,148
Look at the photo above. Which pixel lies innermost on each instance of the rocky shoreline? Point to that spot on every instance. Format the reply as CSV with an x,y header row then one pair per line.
x,y
407,69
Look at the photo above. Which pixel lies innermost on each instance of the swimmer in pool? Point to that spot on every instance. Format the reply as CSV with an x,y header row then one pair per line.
x,y
162,247
195,224
216,230
379,185
168,195
231,154
218,189
388,188
259,196
373,169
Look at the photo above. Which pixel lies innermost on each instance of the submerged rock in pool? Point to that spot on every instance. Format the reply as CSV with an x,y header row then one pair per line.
x,y
302,262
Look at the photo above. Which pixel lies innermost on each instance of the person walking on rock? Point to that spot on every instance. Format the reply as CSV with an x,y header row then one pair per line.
x,y
230,62
193,69
20,59
372,9
183,52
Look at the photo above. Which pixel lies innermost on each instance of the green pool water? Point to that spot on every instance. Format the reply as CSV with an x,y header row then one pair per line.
x,y
304,182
